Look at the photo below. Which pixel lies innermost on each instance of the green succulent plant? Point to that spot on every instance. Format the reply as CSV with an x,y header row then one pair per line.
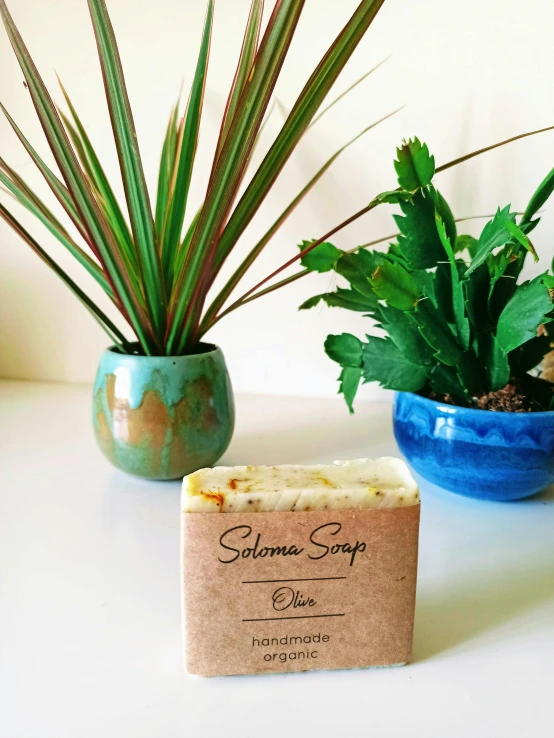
x,y
457,322
156,265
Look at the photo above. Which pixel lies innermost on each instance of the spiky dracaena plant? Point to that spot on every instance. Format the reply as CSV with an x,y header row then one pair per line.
x,y
457,322
156,269
157,272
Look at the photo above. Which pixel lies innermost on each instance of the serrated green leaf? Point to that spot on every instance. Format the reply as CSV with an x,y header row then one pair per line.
x,y
494,235
414,167
463,329
426,284
357,268
311,302
528,227
347,299
368,260
539,198
345,349
437,333
395,285
419,241
476,288
444,380
439,339
403,330
383,362
504,268
461,321
349,379
442,209
523,314
466,243
471,375
521,238
442,282
392,197
321,259
352,300
395,256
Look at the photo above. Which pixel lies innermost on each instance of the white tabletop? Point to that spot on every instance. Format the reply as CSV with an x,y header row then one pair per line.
x,y
89,595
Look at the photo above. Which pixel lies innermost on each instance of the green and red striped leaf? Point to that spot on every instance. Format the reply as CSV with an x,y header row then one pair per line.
x,y
111,329
305,108
262,243
102,188
134,182
97,228
165,175
228,172
188,143
58,187
24,196
244,68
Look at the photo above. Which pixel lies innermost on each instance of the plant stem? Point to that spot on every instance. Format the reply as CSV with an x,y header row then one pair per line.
x,y
461,159
294,277
300,255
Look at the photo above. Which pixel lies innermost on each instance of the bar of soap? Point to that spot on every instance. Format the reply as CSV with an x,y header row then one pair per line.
x,y
344,485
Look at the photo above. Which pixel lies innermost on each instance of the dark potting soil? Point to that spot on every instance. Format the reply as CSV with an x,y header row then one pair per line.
x,y
511,398
508,399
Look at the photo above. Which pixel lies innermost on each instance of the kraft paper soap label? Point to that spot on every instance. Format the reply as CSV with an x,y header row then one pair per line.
x,y
292,591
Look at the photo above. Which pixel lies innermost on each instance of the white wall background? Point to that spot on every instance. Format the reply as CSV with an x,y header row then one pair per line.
x,y
469,74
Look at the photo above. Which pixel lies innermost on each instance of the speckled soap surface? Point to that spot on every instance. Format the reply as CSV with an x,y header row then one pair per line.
x,y
344,485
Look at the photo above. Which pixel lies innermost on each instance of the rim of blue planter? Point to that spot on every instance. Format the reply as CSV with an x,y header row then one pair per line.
x,y
204,350
502,415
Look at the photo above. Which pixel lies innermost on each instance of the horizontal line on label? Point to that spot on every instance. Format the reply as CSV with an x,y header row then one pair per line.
x,y
294,617
273,581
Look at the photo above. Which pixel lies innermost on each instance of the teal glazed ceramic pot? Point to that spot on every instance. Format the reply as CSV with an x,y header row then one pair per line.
x,y
160,417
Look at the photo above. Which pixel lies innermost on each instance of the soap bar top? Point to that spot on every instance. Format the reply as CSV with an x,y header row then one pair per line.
x,y
344,485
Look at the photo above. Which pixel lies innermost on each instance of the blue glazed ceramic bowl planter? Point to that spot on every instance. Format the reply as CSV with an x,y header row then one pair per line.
x,y
162,417
478,453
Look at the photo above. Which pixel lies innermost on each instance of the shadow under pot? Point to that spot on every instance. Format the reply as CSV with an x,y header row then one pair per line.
x,y
162,417
478,453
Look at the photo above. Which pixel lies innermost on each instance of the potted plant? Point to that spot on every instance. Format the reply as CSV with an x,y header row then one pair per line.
x,y
163,403
463,337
